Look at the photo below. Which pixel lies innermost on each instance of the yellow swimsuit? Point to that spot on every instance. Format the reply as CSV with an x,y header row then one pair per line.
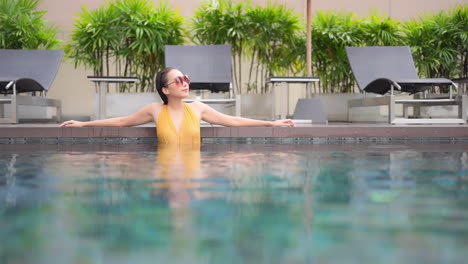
x,y
189,129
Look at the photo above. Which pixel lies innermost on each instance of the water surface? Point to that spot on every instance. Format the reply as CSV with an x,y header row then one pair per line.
x,y
239,203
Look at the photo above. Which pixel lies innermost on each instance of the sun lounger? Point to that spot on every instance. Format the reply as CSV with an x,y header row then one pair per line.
x,y
209,68
389,71
29,72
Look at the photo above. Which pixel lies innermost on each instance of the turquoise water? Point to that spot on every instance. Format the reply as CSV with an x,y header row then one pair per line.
x,y
258,203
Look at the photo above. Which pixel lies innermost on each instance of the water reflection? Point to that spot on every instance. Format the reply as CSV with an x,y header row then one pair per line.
x,y
234,204
26,192
224,206
178,166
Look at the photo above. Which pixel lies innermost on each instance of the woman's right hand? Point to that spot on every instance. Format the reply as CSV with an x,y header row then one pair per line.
x,y
72,123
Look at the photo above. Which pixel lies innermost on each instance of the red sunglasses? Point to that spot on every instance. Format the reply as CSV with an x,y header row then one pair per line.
x,y
179,80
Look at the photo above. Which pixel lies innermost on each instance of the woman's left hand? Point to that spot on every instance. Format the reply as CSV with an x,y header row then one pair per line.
x,y
284,123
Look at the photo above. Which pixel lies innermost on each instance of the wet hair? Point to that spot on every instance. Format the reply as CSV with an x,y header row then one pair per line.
x,y
161,82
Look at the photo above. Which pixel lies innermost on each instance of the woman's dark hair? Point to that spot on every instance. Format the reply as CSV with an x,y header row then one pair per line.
x,y
161,81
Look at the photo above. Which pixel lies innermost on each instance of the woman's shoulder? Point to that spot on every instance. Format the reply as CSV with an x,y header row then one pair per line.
x,y
197,105
155,106
198,108
155,109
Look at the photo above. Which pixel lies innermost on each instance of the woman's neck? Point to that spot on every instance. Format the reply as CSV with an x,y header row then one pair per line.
x,y
175,104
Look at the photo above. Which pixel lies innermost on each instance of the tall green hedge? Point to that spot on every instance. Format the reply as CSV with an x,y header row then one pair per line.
x,y
127,37
273,38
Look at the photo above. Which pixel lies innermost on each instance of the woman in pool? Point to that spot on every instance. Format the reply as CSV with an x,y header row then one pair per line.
x,y
176,121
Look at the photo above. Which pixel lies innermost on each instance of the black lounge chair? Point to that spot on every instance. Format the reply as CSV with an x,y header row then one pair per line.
x,y
31,72
390,70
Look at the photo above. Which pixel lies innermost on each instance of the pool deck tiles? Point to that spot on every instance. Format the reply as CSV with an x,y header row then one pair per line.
x,y
332,130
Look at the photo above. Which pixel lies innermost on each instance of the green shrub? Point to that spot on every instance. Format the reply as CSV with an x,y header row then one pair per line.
x,y
22,27
380,30
125,38
439,44
222,22
266,35
432,44
331,33
459,16
274,34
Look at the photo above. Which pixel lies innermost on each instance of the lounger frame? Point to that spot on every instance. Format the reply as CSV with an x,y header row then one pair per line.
x,y
388,83
25,77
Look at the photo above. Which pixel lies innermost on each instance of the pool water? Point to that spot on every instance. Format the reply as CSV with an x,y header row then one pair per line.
x,y
234,203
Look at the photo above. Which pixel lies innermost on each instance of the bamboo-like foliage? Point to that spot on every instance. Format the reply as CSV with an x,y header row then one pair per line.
x,y
93,39
380,30
263,34
131,34
22,27
125,37
439,43
274,32
432,44
331,33
222,22
459,16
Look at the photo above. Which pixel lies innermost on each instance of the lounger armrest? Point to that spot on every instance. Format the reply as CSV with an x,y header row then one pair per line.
x,y
9,85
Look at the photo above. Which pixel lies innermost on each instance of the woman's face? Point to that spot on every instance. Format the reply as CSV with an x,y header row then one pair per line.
x,y
177,84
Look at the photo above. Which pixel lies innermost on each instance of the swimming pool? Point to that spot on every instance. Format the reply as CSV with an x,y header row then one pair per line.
x,y
234,203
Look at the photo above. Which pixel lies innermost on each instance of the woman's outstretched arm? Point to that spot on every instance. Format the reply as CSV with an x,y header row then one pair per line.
x,y
210,115
143,116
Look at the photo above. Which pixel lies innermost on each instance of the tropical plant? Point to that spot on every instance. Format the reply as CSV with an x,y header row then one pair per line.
x,y
125,37
274,35
438,43
380,30
222,22
22,27
459,16
433,44
94,39
331,33
263,34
